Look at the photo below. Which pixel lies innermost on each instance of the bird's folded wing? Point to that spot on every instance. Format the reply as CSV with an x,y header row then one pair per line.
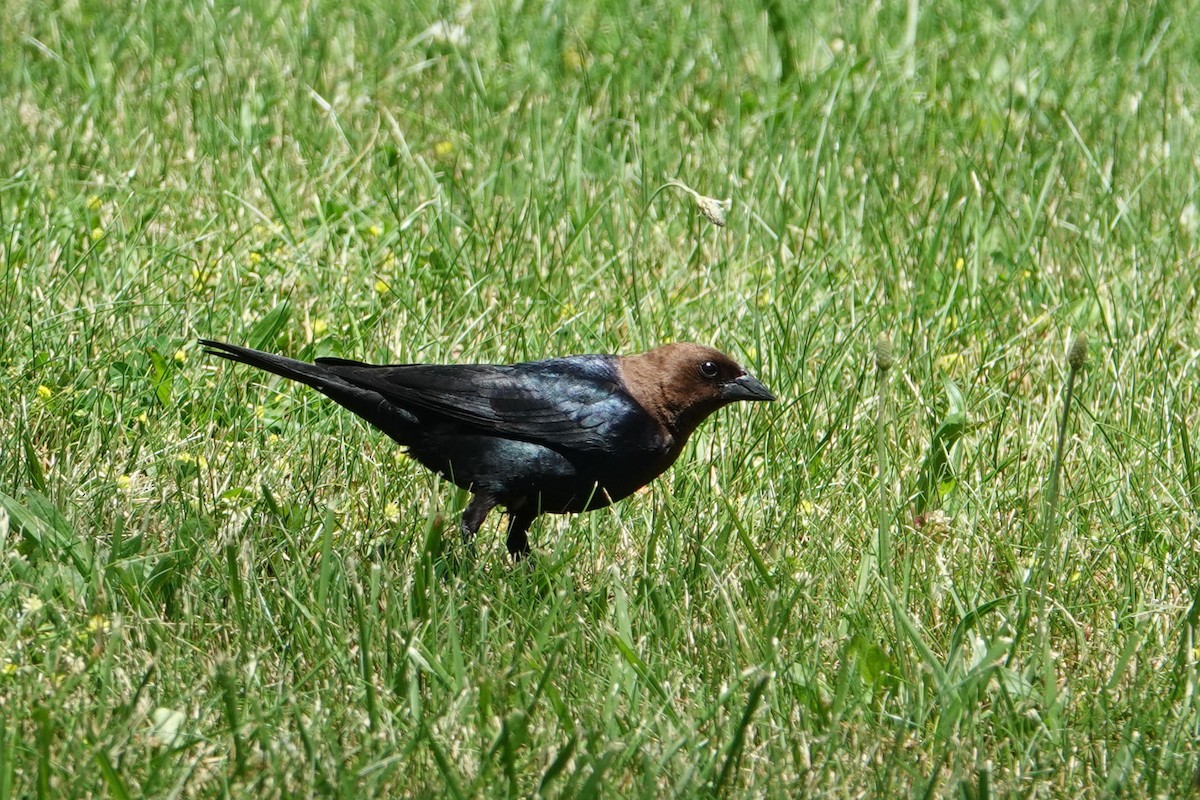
x,y
574,402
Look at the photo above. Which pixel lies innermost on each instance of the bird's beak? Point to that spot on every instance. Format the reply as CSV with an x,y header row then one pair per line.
x,y
746,387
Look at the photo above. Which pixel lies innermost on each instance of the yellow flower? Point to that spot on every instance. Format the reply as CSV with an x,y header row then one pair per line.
x,y
958,265
98,623
255,258
142,418
97,234
948,361
381,286
94,203
124,482
391,512
572,59
374,231
320,327
444,149
9,668
180,355
44,392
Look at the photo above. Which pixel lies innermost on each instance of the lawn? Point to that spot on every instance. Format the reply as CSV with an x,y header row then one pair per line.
x,y
892,582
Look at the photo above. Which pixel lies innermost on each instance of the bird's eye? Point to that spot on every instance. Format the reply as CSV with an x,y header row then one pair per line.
x,y
709,369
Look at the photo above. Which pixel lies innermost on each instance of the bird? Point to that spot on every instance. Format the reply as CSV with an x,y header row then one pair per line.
x,y
556,436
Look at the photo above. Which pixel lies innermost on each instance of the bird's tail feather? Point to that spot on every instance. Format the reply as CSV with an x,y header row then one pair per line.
x,y
313,375
396,422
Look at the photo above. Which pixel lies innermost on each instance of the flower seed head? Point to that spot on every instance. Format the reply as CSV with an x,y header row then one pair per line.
x,y
883,353
1077,355
714,210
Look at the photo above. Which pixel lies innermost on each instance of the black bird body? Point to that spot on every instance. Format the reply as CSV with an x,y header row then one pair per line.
x,y
556,436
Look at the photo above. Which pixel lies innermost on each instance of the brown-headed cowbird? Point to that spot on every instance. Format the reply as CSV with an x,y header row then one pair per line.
x,y
543,437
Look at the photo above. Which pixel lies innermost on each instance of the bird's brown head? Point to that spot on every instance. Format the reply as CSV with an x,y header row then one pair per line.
x,y
682,383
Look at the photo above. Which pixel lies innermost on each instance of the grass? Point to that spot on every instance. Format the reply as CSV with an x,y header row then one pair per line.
x,y
215,583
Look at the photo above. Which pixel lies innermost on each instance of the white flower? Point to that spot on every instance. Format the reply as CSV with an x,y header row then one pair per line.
x,y
444,32
165,724
1189,218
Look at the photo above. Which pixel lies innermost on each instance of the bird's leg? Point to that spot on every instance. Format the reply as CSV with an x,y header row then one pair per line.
x,y
473,517
518,539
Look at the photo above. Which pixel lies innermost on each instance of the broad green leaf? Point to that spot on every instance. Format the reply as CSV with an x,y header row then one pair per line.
x,y
935,470
263,334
